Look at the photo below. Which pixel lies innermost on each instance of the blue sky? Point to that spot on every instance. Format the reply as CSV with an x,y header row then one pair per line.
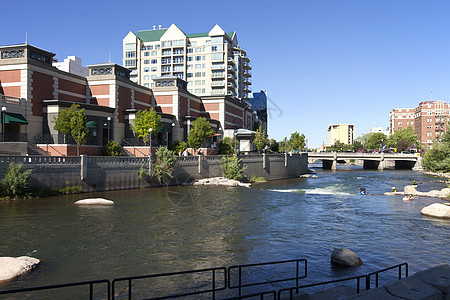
x,y
321,62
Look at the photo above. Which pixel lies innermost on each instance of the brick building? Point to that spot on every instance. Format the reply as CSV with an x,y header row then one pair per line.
x,y
429,120
33,91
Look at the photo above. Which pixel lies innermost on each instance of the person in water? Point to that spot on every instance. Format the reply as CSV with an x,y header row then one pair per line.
x,y
362,190
394,190
414,183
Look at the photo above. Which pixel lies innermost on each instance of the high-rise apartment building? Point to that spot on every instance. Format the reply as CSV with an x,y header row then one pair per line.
x,y
212,63
429,119
343,133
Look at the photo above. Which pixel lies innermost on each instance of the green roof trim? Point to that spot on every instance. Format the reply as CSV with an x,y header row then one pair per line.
x,y
230,34
195,35
150,35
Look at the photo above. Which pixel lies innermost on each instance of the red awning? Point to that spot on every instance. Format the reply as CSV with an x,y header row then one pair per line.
x,y
215,134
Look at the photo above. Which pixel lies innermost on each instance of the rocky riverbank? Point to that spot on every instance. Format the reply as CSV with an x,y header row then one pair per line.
x,y
221,181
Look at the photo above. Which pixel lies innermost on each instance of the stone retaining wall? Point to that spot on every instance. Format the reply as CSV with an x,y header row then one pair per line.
x,y
99,173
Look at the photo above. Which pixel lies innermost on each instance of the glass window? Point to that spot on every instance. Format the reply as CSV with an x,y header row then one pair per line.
x,y
154,69
146,69
189,75
197,58
166,44
198,66
146,61
130,54
217,40
189,67
130,63
217,56
146,53
157,47
130,47
190,50
146,84
190,58
146,77
154,61
198,50
154,53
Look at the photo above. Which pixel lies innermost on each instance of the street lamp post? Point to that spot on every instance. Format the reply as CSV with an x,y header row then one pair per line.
x,y
167,133
109,120
235,141
285,144
150,153
3,123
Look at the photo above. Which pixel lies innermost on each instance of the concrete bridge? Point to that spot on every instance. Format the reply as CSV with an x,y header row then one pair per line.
x,y
370,160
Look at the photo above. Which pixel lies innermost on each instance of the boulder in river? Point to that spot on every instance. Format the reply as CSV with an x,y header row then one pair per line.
x,y
11,267
345,257
438,210
95,201
410,190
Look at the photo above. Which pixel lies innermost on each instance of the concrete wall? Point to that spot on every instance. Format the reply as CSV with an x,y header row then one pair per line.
x,y
97,173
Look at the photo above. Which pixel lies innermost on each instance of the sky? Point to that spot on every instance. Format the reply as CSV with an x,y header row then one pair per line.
x,y
321,62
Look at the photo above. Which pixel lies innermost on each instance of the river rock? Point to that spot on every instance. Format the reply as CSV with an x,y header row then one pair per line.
x,y
438,210
410,190
11,267
445,193
345,257
305,176
95,201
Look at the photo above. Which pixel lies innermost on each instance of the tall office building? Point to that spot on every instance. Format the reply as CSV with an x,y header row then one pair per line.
x,y
343,133
429,119
212,63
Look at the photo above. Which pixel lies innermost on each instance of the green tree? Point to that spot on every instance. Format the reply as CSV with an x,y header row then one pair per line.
x,y
146,119
201,128
178,147
164,164
226,146
338,147
112,148
403,139
260,140
233,168
437,159
357,145
296,141
72,121
15,180
376,140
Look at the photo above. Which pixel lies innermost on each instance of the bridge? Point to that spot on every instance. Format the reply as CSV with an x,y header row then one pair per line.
x,y
370,160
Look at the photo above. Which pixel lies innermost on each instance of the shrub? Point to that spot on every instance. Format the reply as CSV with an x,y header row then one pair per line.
x,y
255,178
163,166
15,181
226,146
142,171
178,147
233,168
112,148
71,190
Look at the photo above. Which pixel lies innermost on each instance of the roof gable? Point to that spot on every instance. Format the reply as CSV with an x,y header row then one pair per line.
x,y
150,35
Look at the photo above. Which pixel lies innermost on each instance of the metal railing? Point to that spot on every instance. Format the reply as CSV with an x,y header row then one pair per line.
x,y
244,268
219,279
376,274
212,290
14,137
65,285
296,288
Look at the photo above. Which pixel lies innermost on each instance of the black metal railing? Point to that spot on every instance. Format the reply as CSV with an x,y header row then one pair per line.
x,y
213,290
14,137
217,282
296,288
244,269
106,292
376,274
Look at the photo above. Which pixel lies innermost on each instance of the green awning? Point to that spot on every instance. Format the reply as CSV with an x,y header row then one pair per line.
x,y
91,124
15,118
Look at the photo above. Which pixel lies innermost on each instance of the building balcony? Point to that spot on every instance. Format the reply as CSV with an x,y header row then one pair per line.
x,y
218,91
247,66
247,80
232,93
247,89
218,75
231,85
231,76
231,68
218,83
217,67
231,61
247,74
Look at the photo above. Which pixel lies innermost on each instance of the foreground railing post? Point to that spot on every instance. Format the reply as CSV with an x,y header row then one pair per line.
x,y
83,167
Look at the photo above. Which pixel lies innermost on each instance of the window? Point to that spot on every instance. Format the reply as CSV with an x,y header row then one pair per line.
x,y
154,53
146,77
216,48
190,67
165,60
178,43
198,66
153,76
130,63
198,58
178,60
146,61
178,68
198,50
166,52
198,82
189,75
190,58
130,54
146,69
217,40
146,84
154,61
130,47
217,56
165,69
190,50
198,91
154,69
166,44
146,53
179,75
178,51
157,47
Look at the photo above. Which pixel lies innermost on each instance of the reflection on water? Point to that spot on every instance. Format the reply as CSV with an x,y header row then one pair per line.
x,y
180,228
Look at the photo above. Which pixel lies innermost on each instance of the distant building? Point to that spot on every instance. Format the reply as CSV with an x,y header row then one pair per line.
x,y
72,64
379,129
344,133
259,104
429,120
212,63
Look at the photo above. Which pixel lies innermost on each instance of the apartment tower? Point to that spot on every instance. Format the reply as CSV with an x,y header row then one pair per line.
x,y
344,133
212,63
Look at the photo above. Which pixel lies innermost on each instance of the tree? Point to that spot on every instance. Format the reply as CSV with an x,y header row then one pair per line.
x,y
72,121
15,180
357,146
201,128
273,145
226,146
296,141
112,148
403,139
437,159
338,147
178,147
260,140
376,140
146,119
233,168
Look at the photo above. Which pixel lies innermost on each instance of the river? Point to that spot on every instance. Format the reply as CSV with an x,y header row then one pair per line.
x,y
181,228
